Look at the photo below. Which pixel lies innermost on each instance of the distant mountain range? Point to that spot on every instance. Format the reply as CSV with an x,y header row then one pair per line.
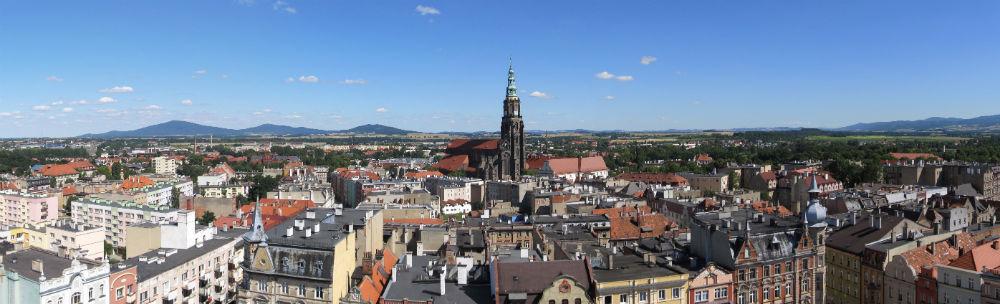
x,y
989,123
179,128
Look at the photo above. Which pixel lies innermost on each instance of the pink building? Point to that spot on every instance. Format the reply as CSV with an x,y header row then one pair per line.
x,y
20,208
712,285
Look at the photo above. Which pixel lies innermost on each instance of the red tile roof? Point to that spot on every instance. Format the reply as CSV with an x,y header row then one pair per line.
x,y
59,170
768,208
922,259
913,156
354,173
8,186
68,190
134,182
702,158
984,256
453,163
536,162
629,223
473,144
573,165
274,211
655,178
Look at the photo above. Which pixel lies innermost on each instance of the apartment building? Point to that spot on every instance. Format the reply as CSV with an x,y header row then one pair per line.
x,y
115,216
26,208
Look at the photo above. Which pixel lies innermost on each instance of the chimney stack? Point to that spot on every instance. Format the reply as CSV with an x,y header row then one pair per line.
x,y
444,273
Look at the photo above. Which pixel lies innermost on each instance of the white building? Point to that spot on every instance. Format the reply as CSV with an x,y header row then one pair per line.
x,y
114,216
214,179
455,207
40,276
209,267
165,165
73,239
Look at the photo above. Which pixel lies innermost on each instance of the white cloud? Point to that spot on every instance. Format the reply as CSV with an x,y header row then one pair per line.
x,y
41,108
67,110
105,110
6,114
289,79
118,89
54,79
106,99
604,75
258,113
152,107
187,102
57,103
308,79
540,94
608,75
354,81
381,110
79,102
293,116
647,60
609,97
427,10
200,72
284,6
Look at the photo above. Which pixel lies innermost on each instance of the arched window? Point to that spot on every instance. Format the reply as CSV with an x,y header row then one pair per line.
x,y
565,301
285,264
76,298
577,301
302,266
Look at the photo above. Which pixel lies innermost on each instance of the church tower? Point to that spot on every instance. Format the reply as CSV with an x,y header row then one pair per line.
x,y
511,133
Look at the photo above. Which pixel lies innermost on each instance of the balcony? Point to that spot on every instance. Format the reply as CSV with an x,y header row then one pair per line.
x,y
203,281
130,298
218,273
218,289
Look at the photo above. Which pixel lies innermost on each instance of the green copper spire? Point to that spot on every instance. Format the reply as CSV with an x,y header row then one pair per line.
x,y
511,88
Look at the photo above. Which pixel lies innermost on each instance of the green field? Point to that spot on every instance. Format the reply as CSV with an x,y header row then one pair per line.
x,y
886,138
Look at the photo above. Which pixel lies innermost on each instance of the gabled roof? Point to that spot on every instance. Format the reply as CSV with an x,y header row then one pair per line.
x,y
921,259
465,144
453,163
913,156
573,165
655,178
134,182
535,277
984,256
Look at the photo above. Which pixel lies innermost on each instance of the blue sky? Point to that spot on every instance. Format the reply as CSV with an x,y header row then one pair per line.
x,y
74,67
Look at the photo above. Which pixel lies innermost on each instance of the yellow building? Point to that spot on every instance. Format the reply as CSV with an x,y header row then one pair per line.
x,y
30,236
636,279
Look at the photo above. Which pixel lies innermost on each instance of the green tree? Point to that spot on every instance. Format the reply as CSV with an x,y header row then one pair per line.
x,y
116,171
261,185
207,218
175,198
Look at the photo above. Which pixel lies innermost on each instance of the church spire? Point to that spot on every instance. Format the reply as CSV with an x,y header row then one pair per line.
x,y
257,233
511,88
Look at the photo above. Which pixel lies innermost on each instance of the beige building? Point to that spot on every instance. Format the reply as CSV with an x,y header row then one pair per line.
x,y
76,240
115,216
707,182
308,259
638,279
